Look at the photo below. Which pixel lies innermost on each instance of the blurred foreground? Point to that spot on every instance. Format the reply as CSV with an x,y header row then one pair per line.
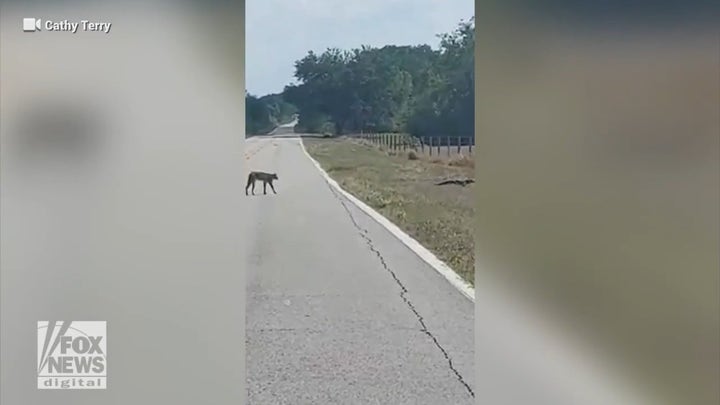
x,y
117,151
597,167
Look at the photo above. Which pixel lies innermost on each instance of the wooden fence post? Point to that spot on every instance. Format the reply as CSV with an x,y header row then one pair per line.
x,y
459,143
438,146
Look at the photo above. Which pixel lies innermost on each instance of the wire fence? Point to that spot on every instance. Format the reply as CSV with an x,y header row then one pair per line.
x,y
428,145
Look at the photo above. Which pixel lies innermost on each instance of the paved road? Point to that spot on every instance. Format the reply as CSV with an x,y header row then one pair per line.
x,y
285,128
338,310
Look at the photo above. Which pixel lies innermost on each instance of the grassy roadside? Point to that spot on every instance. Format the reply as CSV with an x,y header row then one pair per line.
x,y
403,190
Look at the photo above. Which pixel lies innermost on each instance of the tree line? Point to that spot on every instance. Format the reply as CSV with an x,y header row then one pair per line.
x,y
263,114
413,89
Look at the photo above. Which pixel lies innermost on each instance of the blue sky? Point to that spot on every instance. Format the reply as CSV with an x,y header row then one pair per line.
x,y
279,32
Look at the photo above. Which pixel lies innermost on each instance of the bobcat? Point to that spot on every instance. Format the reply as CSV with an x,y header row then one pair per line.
x,y
266,178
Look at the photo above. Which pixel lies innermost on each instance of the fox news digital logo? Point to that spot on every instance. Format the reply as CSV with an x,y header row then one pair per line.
x,y
72,355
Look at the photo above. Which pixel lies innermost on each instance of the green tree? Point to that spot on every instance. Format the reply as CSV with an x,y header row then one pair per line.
x,y
263,114
257,115
392,88
449,104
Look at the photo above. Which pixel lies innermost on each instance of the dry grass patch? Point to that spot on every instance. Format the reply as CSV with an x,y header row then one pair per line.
x,y
462,161
402,189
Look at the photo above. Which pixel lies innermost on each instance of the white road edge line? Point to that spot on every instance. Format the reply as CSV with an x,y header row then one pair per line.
x,y
427,256
567,356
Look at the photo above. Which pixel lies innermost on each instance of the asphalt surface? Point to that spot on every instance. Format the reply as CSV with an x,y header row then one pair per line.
x,y
338,310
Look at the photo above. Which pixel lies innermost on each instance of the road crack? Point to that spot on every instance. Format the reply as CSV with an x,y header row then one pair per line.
x,y
403,290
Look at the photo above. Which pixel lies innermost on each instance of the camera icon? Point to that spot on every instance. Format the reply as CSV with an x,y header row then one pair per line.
x,y
31,24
